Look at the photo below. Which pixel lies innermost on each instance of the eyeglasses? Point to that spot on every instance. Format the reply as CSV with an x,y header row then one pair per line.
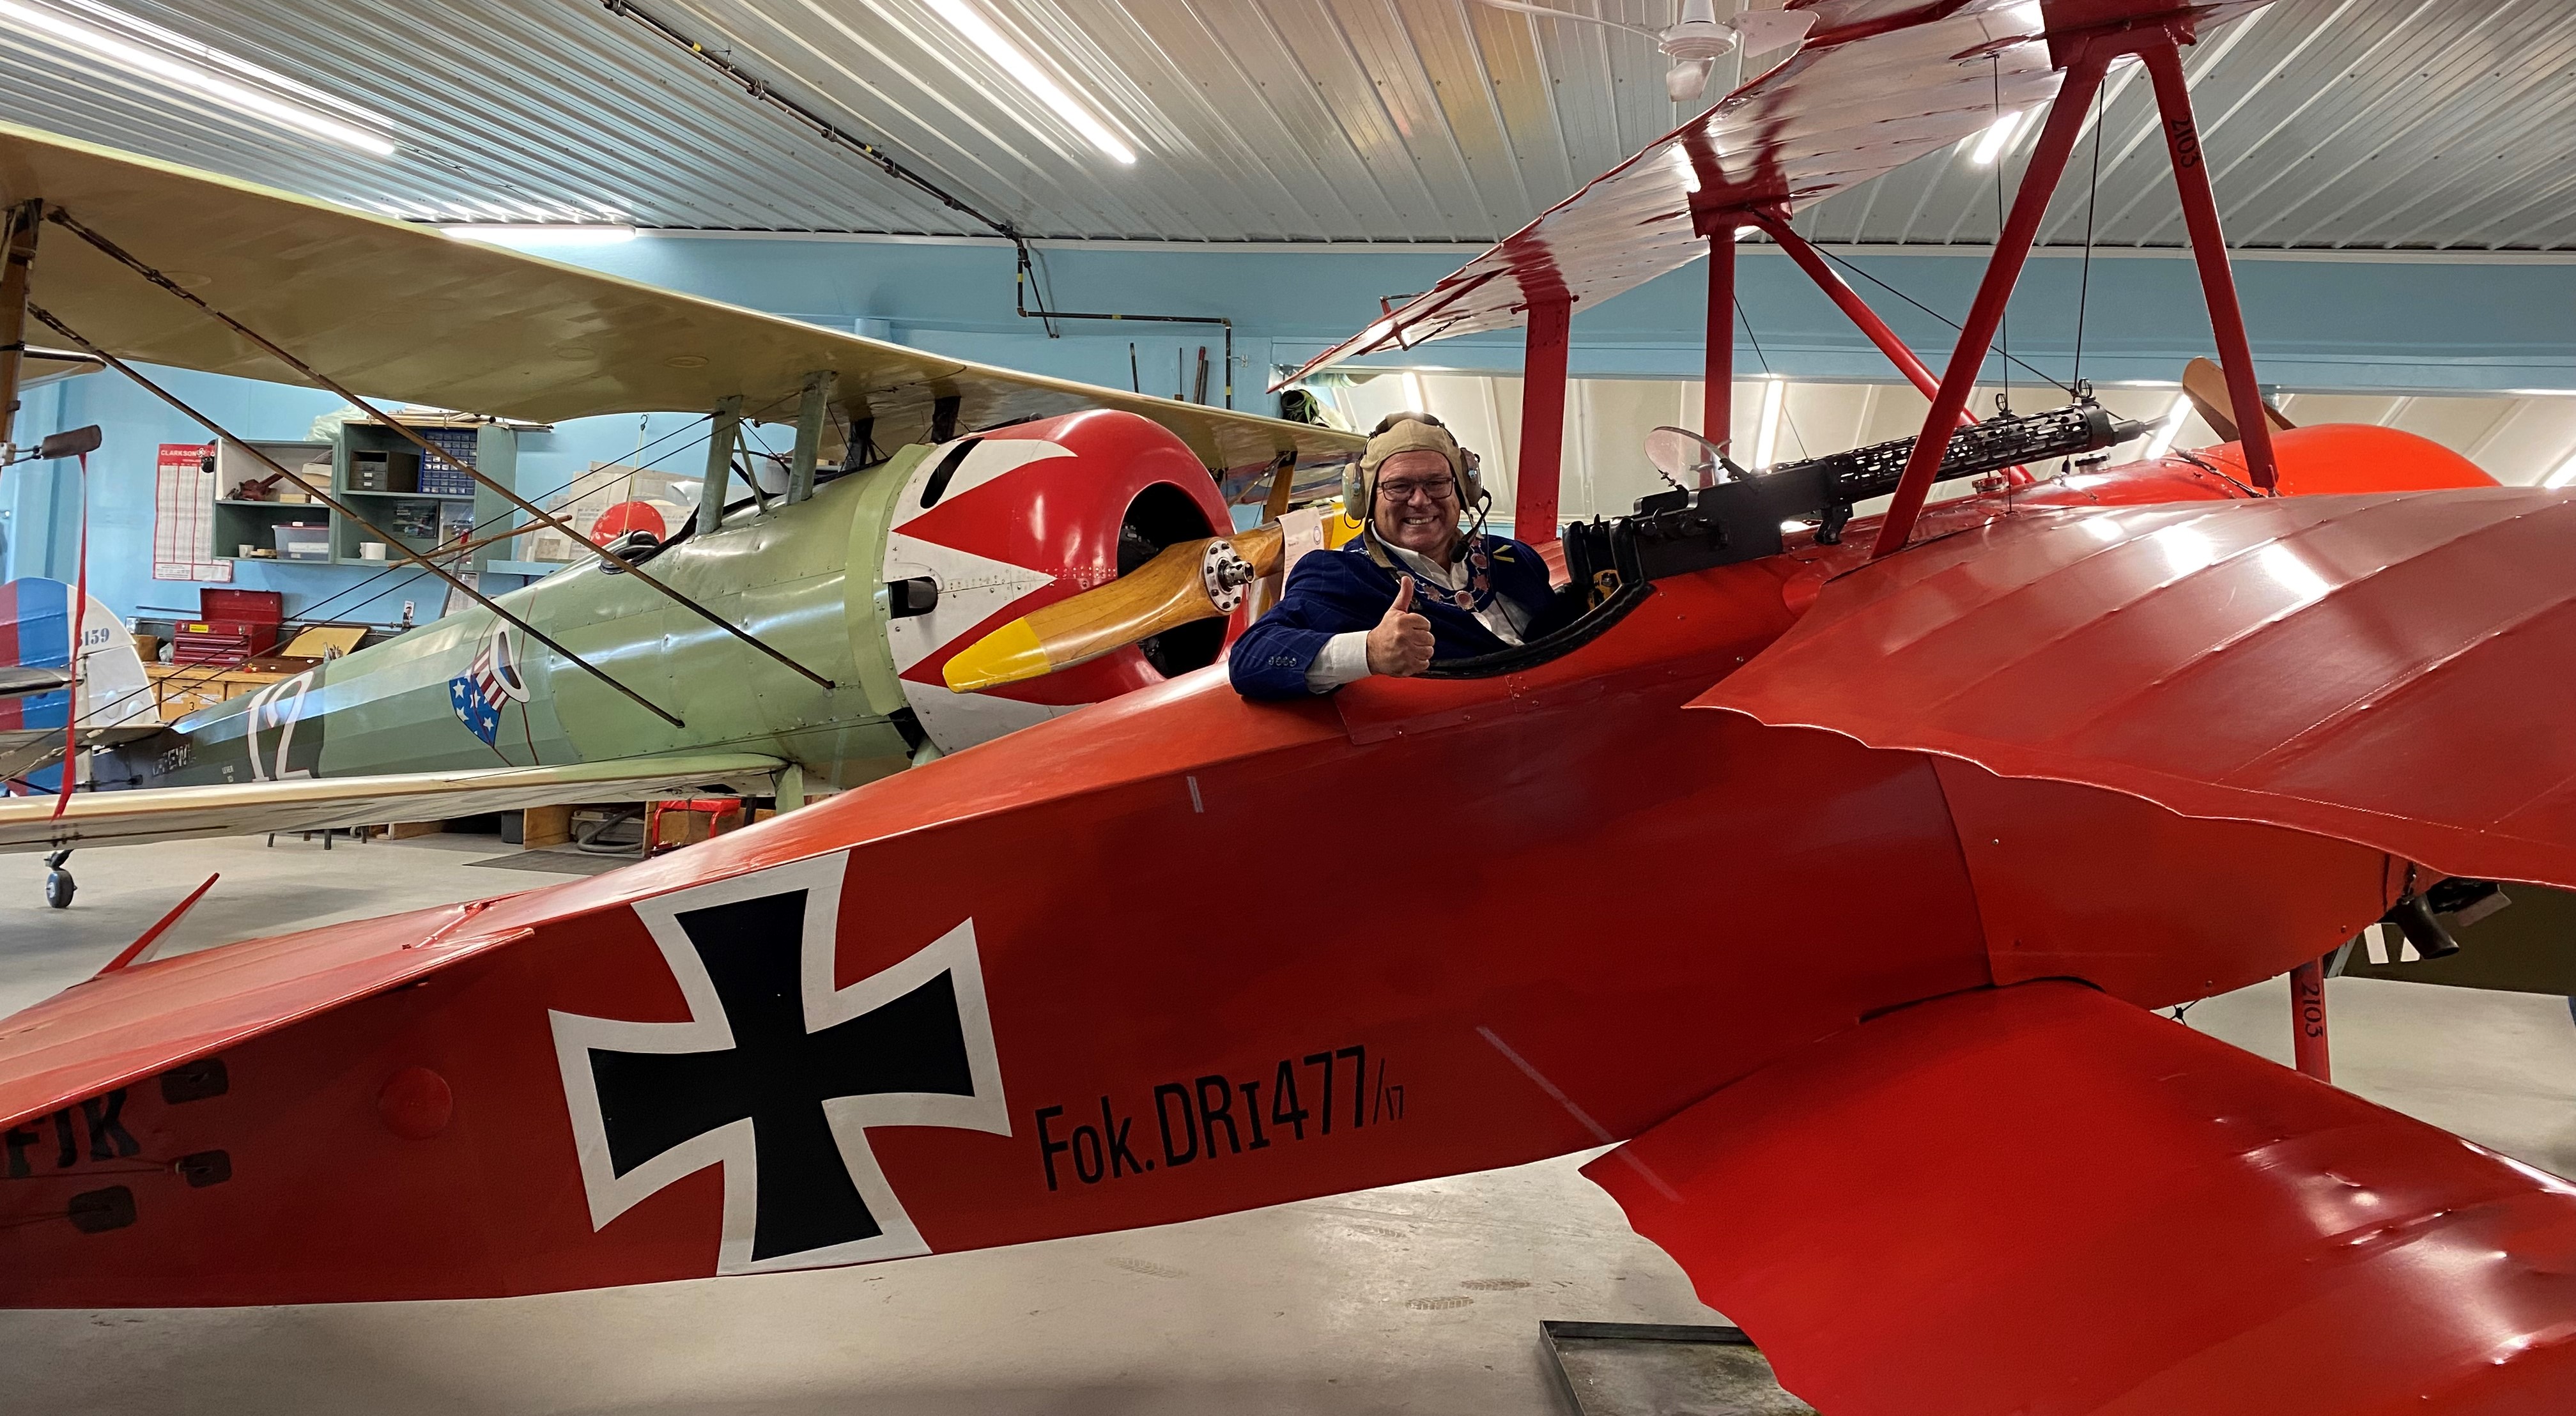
x,y
1435,489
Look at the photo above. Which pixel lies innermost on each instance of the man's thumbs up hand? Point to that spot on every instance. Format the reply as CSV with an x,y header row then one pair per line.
x,y
1400,646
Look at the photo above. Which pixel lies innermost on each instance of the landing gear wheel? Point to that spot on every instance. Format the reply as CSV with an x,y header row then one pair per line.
x,y
58,889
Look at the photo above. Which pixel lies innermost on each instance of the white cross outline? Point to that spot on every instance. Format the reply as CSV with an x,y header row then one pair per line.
x,y
731,1145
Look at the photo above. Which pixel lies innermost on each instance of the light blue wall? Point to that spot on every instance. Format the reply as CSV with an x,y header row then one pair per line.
x,y
2326,325
2339,325
40,502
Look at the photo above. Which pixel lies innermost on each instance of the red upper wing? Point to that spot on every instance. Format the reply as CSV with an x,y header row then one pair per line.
x,y
2044,1201
1878,84
2388,669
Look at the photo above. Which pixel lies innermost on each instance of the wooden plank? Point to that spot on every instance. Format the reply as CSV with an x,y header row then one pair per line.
x,y
545,826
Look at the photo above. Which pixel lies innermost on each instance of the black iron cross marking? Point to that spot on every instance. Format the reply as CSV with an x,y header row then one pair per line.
x,y
778,1075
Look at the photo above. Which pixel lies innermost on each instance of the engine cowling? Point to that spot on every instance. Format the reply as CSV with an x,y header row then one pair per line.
x,y
1003,522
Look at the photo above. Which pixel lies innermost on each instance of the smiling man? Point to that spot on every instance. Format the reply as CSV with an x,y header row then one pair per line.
x,y
1416,588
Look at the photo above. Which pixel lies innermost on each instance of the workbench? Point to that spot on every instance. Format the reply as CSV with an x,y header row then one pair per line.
x,y
181,689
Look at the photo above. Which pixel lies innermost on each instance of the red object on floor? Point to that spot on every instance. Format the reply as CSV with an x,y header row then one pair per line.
x,y
717,810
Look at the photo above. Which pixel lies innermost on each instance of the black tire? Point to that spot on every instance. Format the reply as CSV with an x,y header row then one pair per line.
x,y
58,889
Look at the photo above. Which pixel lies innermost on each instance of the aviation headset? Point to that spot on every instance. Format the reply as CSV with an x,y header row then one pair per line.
x,y
1359,478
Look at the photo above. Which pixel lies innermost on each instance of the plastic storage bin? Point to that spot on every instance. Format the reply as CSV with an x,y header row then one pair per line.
x,y
303,541
447,478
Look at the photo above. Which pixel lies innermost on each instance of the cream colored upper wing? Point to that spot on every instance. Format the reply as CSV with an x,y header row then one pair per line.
x,y
402,311
314,803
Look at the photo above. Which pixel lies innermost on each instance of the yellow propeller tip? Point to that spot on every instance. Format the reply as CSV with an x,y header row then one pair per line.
x,y
1007,655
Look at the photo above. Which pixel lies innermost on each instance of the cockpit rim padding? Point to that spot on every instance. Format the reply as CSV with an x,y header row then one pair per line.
x,y
1586,627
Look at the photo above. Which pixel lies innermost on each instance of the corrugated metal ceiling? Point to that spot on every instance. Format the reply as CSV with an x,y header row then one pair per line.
x,y
2336,123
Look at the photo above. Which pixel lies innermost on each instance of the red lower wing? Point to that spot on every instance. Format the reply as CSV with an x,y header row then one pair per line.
x,y
2041,1200
2386,669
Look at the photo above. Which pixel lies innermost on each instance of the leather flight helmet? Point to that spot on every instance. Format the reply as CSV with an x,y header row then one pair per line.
x,y
1410,432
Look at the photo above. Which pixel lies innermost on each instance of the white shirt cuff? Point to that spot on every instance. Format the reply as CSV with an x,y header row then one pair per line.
x,y
1344,659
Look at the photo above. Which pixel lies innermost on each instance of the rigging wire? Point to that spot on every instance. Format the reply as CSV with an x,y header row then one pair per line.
x,y
411,573
2084,285
1828,254
2003,317
1764,360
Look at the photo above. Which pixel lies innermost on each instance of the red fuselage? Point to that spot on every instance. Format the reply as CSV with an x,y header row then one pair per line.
x,y
1171,956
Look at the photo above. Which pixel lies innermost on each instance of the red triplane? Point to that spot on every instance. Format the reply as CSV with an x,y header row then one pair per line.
x,y
1834,881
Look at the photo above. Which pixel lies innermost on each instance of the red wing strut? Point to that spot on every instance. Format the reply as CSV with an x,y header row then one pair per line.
x,y
2387,669
1877,84
2043,1201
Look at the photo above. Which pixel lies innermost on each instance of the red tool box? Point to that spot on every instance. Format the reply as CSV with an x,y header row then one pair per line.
x,y
231,625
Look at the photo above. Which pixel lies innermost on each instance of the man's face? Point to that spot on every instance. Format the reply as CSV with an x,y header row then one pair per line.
x,y
1417,503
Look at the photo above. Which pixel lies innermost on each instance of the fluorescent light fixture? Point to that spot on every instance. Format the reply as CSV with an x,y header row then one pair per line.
x,y
174,59
971,23
542,233
1991,146
2169,428
1775,401
2565,474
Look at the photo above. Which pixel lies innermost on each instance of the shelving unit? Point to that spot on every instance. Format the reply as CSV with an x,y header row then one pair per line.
x,y
420,520
254,523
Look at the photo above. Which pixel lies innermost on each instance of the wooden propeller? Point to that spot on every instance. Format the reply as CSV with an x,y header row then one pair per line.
x,y
1190,580
2205,384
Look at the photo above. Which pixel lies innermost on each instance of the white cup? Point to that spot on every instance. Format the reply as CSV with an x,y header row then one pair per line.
x,y
371,550
246,549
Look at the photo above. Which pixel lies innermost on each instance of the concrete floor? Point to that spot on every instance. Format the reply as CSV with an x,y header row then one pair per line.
x,y
1420,1298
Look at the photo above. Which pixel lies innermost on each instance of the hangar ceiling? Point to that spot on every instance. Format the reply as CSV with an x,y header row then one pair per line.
x,y
2369,124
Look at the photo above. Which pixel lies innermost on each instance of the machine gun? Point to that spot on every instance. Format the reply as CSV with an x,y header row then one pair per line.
x,y
1680,531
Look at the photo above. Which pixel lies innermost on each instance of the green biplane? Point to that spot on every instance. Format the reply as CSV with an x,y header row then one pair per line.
x,y
774,645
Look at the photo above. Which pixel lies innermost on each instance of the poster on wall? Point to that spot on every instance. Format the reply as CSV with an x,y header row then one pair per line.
x,y
183,517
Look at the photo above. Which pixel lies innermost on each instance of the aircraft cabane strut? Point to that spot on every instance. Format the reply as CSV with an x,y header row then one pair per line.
x,y
2086,57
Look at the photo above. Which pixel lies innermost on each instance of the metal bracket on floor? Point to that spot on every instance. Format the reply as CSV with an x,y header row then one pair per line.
x,y
1647,1369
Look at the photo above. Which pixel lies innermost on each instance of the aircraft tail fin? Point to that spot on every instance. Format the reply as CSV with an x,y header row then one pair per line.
x,y
35,635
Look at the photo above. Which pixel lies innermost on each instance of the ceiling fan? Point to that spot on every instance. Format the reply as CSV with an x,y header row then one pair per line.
x,y
1696,39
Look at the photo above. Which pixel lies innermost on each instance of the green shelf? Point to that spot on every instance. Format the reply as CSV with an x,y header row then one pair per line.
x,y
236,522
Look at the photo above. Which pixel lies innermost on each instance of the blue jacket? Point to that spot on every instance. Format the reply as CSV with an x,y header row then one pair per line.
x,y
1335,592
